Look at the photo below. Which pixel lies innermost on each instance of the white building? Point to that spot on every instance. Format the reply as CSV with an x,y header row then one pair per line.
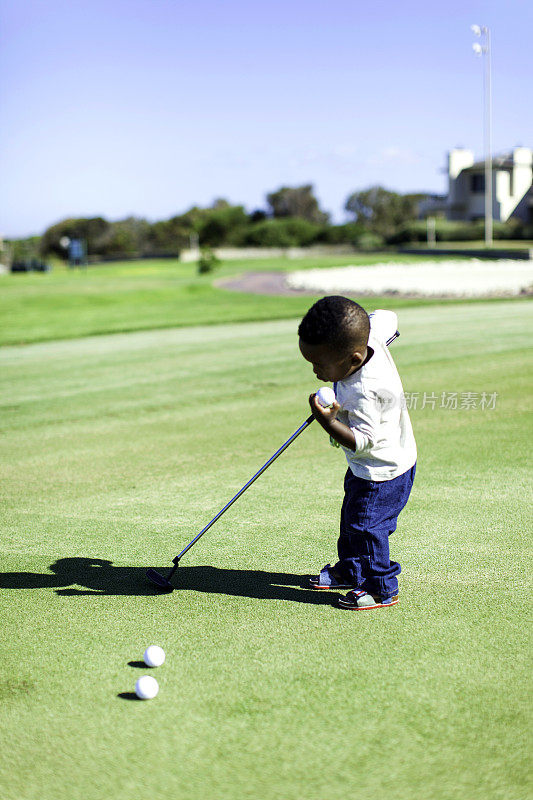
x,y
512,192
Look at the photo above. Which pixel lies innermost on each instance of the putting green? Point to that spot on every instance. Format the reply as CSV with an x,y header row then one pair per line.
x,y
117,450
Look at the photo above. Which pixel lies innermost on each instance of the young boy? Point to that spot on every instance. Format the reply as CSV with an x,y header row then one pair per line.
x,y
369,420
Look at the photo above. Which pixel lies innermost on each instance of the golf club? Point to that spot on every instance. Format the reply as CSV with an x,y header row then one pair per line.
x,y
164,583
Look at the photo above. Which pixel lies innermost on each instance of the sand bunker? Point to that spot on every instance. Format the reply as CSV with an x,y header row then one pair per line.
x,y
473,278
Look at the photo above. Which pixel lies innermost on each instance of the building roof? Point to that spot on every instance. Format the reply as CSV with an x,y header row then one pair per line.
x,y
502,161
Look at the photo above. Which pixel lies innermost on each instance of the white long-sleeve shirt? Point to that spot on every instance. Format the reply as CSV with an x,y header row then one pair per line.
x,y
373,407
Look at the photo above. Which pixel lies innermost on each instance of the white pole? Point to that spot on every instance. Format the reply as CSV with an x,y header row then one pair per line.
x,y
488,140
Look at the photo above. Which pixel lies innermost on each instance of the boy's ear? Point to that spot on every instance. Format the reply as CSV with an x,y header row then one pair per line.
x,y
358,357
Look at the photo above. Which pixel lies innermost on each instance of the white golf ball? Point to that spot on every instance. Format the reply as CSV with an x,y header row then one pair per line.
x,y
154,656
326,396
146,687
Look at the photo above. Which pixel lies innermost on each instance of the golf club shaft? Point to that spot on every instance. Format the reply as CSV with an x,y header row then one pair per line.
x,y
265,466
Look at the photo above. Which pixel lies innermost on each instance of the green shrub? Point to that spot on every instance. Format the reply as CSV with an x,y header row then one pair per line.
x,y
370,241
22,249
512,229
445,231
349,233
93,230
222,224
283,232
208,261
167,237
449,231
270,233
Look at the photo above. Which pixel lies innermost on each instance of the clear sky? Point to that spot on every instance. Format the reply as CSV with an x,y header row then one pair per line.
x,y
147,107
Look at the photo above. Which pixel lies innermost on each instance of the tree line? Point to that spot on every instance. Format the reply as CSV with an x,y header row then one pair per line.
x,y
292,218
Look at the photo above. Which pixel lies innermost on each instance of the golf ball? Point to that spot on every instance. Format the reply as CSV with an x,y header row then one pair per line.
x,y
154,656
146,687
326,396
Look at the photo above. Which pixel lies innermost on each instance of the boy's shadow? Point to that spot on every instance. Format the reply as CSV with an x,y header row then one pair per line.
x,y
99,577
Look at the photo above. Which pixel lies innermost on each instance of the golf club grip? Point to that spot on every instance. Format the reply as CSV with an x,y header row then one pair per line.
x,y
265,466
392,339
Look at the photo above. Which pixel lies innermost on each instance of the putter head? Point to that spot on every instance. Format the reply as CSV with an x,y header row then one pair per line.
x,y
159,580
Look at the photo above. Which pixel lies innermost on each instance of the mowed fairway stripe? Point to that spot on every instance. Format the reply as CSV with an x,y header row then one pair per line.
x,y
117,450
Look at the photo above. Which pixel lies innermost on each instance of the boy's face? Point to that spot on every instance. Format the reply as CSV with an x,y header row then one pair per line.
x,y
328,365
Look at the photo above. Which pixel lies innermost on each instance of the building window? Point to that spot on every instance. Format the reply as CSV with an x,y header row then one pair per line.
x,y
477,183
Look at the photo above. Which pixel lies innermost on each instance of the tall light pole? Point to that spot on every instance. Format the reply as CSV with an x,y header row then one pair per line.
x,y
483,49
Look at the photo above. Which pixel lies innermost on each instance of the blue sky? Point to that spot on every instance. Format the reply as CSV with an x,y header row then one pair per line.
x,y
147,107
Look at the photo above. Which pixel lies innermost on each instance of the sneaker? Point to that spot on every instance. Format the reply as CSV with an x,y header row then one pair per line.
x,y
359,600
329,579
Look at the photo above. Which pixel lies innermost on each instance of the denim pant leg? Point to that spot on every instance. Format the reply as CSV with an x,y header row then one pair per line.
x,y
369,515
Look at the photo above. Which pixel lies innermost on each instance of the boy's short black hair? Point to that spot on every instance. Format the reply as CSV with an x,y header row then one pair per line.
x,y
336,321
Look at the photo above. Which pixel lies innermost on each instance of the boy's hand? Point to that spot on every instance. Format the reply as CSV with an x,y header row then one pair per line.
x,y
327,417
322,414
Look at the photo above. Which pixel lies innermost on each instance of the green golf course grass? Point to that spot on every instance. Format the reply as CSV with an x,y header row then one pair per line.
x,y
118,449
145,295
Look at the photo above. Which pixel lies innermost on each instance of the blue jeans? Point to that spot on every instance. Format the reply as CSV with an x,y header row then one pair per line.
x,y
369,515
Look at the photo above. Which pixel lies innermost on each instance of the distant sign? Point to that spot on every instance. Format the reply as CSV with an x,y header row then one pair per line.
x,y
76,253
75,249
